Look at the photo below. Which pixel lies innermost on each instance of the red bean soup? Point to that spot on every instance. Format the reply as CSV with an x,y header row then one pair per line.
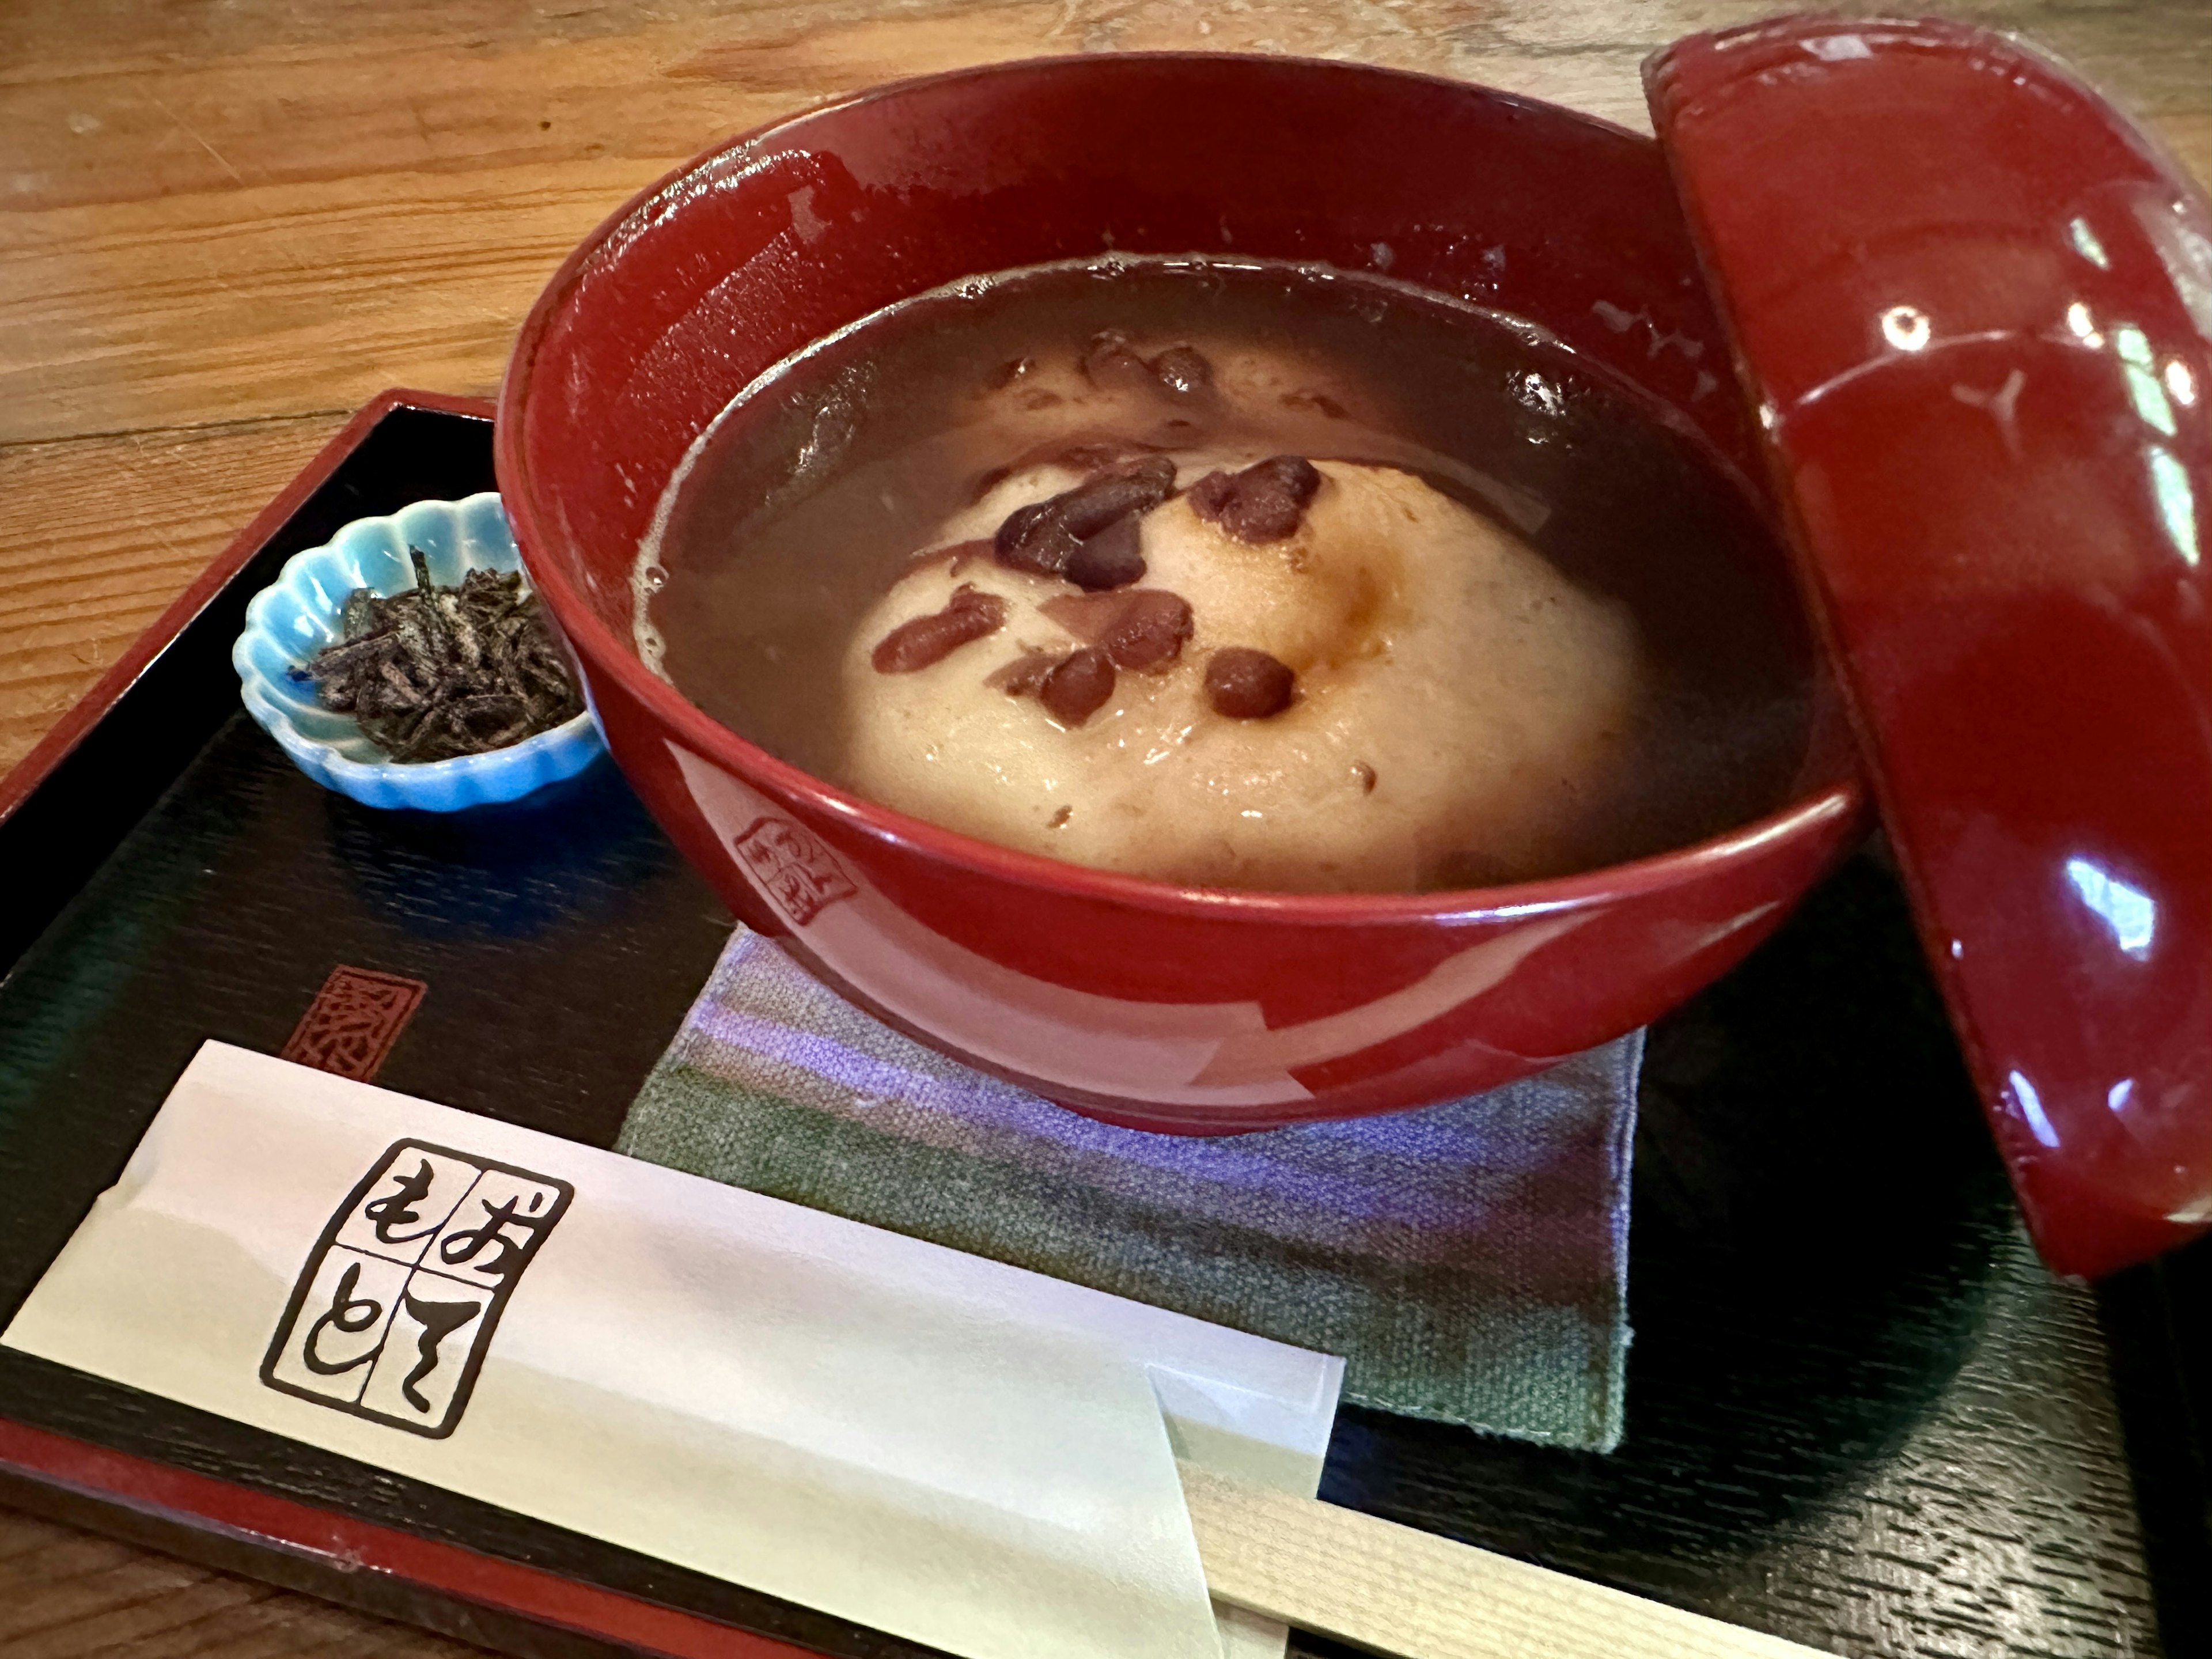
x,y
1234,573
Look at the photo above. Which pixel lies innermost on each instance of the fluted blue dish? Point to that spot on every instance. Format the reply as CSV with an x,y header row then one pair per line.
x,y
298,614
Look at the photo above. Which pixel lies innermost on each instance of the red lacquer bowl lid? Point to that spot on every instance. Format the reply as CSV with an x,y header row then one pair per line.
x,y
1971,303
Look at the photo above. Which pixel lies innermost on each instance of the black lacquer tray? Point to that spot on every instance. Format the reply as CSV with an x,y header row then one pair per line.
x,y
1861,1413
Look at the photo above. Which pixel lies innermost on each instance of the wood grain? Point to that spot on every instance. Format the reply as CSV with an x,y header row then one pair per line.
x,y
101,533
284,219
1395,1590
223,225
64,1595
214,215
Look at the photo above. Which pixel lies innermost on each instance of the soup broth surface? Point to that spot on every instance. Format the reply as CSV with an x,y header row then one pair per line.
x,y
1521,624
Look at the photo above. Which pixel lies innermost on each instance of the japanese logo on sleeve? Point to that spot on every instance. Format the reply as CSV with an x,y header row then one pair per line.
x,y
396,1307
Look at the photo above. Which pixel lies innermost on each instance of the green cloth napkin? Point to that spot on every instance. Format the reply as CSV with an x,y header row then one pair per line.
x,y
1468,1261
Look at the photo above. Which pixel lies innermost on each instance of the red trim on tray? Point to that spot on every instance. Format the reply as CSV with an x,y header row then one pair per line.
x,y
351,1545
65,734
346,1543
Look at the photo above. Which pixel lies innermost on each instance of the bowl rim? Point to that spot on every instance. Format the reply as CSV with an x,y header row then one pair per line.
x,y
254,691
1842,796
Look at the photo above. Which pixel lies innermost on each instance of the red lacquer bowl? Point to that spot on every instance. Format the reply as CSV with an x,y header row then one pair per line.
x,y
1190,1010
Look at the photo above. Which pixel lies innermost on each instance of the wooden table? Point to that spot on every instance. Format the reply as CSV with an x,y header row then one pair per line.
x,y
228,223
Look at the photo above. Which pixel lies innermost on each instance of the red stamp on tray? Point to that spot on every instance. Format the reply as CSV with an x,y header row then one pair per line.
x,y
353,1022
797,871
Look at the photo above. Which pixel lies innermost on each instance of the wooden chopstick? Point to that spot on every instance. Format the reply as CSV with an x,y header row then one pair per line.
x,y
1399,1592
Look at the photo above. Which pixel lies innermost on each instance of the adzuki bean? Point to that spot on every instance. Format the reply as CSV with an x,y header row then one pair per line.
x,y
1262,503
1023,675
1143,628
1107,363
1150,634
1078,687
1109,559
1110,363
1042,538
1247,684
1183,371
917,643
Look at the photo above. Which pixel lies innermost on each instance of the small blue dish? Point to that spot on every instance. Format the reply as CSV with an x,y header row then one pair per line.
x,y
287,623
